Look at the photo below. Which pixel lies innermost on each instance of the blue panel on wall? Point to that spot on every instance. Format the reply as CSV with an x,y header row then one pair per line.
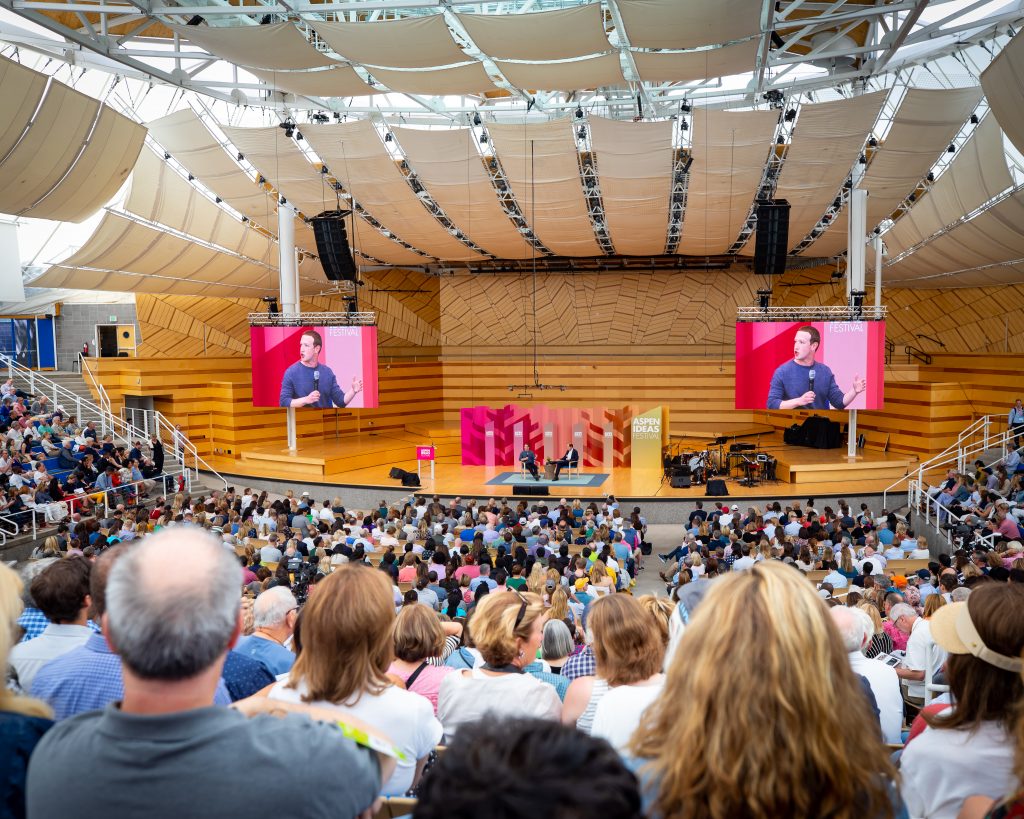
x,y
47,343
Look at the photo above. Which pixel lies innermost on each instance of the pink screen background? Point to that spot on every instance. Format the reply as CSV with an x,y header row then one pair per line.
x,y
348,351
847,348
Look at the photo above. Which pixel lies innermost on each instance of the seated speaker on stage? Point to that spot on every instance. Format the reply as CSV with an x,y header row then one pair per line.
x,y
528,458
570,458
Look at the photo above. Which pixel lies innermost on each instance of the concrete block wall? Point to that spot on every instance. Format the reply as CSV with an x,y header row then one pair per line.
x,y
77,324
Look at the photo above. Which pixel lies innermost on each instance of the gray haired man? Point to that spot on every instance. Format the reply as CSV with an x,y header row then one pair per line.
x,y
164,750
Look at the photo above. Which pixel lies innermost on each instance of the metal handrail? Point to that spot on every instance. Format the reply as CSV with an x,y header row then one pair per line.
x,y
914,352
919,496
154,422
94,382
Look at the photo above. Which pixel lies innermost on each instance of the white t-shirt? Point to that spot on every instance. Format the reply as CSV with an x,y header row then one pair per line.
x,y
468,696
618,714
743,563
916,659
942,767
406,718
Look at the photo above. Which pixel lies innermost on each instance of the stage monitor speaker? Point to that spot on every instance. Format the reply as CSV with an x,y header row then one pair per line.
x,y
716,486
680,482
410,479
396,474
772,240
332,245
529,489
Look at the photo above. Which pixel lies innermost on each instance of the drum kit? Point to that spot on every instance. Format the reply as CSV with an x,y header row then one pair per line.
x,y
699,465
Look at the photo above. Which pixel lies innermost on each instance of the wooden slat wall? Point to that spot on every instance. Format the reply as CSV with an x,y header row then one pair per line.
x,y
211,396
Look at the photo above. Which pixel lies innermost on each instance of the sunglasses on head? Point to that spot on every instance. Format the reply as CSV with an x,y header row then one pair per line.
x,y
522,610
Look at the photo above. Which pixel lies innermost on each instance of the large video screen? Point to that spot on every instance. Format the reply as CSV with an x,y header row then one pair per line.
x,y
318,367
810,365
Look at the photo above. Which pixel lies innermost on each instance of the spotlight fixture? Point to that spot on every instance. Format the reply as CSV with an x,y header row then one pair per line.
x,y
191,178
217,199
476,118
483,139
582,132
321,117
912,197
245,219
241,156
284,201
872,143
298,136
685,107
780,140
324,169
974,119
931,176
195,20
951,149
288,132
387,137
266,19
579,112
337,117
764,299
261,180
863,160
684,125
166,155
790,115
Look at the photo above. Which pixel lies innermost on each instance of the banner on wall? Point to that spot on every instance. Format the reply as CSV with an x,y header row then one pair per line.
x,y
603,436
648,431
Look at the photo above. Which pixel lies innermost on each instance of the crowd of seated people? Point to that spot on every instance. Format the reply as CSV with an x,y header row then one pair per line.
x,y
428,629
53,469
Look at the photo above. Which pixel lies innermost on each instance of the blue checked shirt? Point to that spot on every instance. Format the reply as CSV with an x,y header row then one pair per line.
x,y
33,621
87,678
580,665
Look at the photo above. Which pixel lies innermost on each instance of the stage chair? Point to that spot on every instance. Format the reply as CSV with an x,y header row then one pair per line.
x,y
572,467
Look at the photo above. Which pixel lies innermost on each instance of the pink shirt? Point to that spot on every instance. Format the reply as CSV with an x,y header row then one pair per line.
x,y
428,683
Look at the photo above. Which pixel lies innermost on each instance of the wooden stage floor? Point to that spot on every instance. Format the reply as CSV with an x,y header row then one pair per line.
x,y
366,460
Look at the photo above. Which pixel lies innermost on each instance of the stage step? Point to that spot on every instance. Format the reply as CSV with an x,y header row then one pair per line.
x,y
435,431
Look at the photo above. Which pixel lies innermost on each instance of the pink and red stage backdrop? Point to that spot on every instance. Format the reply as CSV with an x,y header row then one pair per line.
x,y
476,423
848,348
347,352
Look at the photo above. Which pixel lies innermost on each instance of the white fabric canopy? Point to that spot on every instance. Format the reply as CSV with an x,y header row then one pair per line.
x,y
331,82
590,72
288,170
634,166
977,174
676,24
410,42
729,154
546,183
924,125
184,136
449,167
21,90
48,149
279,45
1003,83
827,140
462,79
127,256
689,66
97,174
359,160
990,238
160,195
545,35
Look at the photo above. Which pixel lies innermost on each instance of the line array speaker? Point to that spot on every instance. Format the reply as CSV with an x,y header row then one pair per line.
x,y
771,242
529,489
332,245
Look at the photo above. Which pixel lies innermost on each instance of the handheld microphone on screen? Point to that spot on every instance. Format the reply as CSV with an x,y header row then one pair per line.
x,y
810,380
316,380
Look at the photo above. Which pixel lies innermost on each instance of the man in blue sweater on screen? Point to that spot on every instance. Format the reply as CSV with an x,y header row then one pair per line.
x,y
804,383
308,383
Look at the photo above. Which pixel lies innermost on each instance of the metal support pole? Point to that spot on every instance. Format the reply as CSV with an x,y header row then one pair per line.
x,y
289,285
877,244
855,280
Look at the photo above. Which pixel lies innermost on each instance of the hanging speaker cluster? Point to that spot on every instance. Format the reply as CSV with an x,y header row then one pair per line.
x,y
771,242
332,245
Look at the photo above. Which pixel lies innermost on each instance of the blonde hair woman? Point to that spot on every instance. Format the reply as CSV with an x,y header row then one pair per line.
x,y
507,631
784,749
932,603
628,653
23,721
660,609
346,651
600,581
881,642
537,579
